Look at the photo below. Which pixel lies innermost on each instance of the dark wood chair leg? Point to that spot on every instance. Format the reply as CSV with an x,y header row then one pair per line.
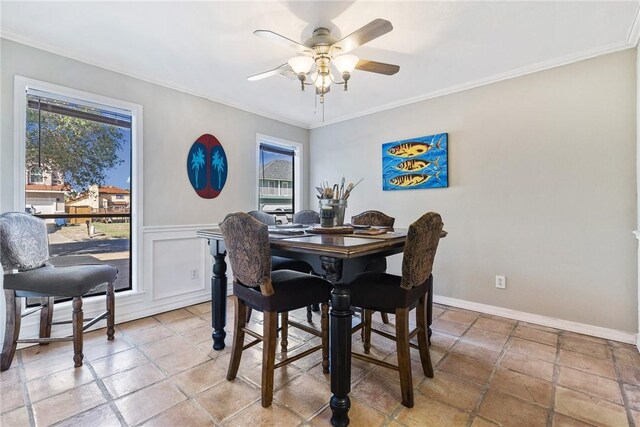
x,y
249,310
309,314
111,311
270,322
404,359
240,321
284,333
423,338
385,318
366,322
13,311
429,309
46,317
324,327
78,323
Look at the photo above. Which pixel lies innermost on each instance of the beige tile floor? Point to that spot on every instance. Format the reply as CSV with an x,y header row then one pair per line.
x,y
161,371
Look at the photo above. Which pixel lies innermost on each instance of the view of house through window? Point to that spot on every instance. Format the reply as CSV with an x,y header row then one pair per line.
x,y
78,161
277,182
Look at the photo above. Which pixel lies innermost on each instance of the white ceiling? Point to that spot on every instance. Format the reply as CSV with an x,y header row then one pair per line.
x,y
208,48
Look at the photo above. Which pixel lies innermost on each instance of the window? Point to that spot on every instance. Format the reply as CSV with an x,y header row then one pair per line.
x,y
276,166
278,176
35,177
74,147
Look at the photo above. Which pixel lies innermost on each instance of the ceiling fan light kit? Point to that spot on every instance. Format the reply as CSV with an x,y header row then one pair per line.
x,y
324,51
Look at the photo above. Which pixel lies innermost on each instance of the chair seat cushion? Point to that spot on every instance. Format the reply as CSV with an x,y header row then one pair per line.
x,y
282,263
72,281
382,292
292,290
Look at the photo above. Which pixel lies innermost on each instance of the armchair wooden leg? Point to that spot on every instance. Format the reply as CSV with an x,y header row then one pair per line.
x,y
111,311
284,333
385,318
404,359
309,314
240,320
423,338
78,323
248,315
324,327
46,317
270,323
366,338
11,329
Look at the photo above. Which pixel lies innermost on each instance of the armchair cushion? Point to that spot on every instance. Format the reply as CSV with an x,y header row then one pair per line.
x,y
382,292
72,281
292,290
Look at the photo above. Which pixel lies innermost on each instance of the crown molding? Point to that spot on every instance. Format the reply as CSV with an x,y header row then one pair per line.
x,y
530,69
631,42
62,52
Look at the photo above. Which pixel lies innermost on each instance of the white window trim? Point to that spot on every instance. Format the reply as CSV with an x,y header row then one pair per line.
x,y
298,148
21,85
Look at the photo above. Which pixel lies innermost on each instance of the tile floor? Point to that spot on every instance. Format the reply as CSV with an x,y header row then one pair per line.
x,y
161,371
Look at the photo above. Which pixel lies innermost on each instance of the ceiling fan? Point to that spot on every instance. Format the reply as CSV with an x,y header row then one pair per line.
x,y
323,51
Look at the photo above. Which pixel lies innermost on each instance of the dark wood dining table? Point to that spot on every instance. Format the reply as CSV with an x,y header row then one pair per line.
x,y
337,257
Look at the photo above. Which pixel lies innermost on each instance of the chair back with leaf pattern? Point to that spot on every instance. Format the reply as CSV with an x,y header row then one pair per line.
x,y
24,244
420,250
306,217
263,217
375,218
247,243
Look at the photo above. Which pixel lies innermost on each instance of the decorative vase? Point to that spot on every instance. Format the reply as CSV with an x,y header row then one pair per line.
x,y
338,206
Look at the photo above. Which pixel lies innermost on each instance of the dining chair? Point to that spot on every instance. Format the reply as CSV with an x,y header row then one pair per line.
x,y
255,285
375,219
279,262
306,217
399,295
24,253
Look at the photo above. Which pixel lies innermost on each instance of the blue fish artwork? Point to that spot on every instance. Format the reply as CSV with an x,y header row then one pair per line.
x,y
415,163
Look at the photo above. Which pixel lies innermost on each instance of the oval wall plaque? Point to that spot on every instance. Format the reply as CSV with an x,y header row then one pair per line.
x,y
207,166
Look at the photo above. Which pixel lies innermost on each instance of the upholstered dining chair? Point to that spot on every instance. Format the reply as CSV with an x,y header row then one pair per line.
x,y
24,252
399,295
306,217
255,285
279,262
375,219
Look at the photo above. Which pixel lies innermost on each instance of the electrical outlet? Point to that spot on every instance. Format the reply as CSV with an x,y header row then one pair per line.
x,y
501,282
194,274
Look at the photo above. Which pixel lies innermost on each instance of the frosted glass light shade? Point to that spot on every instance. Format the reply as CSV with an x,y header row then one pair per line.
x,y
345,63
301,64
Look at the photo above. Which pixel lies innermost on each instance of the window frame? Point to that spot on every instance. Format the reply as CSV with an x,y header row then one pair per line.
x,y
21,86
298,185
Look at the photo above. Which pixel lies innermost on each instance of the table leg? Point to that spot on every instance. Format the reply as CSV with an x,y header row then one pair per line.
x,y
218,294
340,343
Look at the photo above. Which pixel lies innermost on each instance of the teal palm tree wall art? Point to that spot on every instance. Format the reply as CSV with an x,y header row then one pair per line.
x,y
218,164
207,166
197,162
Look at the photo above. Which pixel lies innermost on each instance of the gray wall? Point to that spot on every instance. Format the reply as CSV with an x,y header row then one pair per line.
x,y
172,122
542,188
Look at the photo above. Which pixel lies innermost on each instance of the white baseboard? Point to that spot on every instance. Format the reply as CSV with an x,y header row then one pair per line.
x,y
552,322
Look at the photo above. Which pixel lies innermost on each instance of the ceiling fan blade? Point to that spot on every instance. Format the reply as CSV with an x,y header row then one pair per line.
x,y
372,30
282,40
284,69
377,67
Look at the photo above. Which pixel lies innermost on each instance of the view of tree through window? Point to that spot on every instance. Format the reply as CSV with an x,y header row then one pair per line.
x,y
78,161
276,186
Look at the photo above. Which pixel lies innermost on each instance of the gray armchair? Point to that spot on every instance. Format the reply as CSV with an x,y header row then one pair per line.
x,y
24,253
